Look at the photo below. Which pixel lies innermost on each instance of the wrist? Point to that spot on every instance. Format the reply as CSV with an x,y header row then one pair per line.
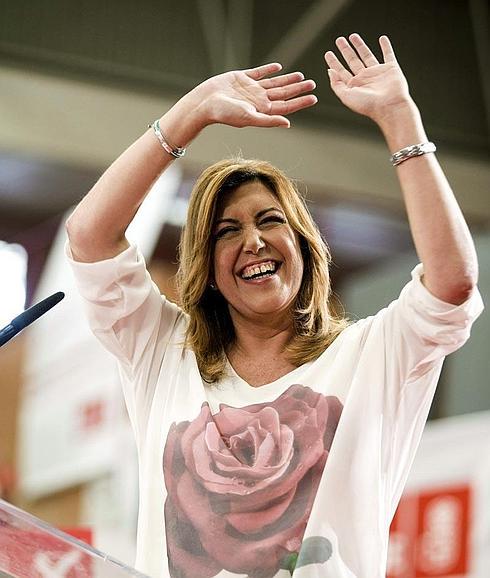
x,y
402,126
183,122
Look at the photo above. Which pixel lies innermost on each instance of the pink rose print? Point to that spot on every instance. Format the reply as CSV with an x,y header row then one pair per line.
x,y
241,483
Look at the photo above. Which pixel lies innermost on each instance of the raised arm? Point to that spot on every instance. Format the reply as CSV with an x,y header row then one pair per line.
x,y
96,229
440,233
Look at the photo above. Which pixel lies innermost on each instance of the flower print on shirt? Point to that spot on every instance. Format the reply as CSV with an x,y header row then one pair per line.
x,y
241,483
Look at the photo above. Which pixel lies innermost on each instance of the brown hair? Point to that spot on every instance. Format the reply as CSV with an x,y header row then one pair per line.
x,y
210,331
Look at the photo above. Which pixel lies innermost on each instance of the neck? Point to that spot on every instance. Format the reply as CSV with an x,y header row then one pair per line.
x,y
267,339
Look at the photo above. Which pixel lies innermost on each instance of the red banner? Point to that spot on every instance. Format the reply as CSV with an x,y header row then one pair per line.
x,y
36,554
430,534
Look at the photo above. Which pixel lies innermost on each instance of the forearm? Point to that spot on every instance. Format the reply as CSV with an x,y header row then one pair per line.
x,y
440,233
96,229
236,98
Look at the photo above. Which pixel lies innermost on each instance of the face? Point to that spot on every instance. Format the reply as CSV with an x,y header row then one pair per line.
x,y
258,265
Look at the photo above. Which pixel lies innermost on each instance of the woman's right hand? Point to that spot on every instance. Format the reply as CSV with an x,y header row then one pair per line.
x,y
243,98
239,98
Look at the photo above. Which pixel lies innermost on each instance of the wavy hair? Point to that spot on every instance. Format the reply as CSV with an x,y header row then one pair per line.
x,y
210,331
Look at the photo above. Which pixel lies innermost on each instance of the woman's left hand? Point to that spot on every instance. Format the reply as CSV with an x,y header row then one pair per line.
x,y
366,86
441,236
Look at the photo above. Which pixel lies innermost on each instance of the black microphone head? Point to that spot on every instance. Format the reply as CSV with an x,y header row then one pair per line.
x,y
31,314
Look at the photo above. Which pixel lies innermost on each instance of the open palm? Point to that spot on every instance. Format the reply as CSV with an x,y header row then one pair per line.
x,y
248,98
367,86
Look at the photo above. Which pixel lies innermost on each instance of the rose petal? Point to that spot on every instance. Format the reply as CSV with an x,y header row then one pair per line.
x,y
243,446
187,556
334,414
269,452
270,421
217,448
232,420
251,522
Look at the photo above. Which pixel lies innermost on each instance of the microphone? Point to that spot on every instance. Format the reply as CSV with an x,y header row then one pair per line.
x,y
28,316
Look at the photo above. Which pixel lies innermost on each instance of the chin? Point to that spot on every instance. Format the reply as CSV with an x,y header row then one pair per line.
x,y
267,308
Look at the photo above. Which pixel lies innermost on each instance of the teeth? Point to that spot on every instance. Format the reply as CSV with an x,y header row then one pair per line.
x,y
254,270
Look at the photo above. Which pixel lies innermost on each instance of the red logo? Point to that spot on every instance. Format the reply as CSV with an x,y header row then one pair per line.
x,y
429,536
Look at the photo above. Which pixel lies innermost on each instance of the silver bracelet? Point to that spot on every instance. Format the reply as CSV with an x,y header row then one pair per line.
x,y
176,152
412,151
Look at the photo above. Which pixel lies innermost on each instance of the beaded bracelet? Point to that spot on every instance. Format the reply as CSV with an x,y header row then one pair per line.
x,y
176,152
412,151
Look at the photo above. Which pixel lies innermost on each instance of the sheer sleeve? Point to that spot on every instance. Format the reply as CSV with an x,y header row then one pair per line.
x,y
421,329
417,331
124,307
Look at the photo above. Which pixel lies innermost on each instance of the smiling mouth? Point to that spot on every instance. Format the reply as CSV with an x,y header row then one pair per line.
x,y
260,271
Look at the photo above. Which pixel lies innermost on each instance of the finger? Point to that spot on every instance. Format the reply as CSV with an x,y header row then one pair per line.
x,y
268,120
293,105
334,63
334,77
363,50
290,91
337,84
259,72
387,49
282,80
350,55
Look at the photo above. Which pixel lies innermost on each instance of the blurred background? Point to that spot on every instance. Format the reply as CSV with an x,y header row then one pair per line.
x,y
79,81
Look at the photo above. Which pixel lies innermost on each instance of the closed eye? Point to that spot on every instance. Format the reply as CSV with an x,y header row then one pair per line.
x,y
273,219
225,231
231,229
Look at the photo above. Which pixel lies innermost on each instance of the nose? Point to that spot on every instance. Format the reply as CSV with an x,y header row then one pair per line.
x,y
253,241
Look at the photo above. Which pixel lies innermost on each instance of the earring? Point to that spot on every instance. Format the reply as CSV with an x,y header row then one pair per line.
x,y
213,286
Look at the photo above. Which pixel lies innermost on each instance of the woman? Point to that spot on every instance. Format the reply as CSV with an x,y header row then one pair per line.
x,y
273,439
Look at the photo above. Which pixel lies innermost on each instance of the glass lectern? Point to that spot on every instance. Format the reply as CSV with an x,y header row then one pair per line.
x,y
30,548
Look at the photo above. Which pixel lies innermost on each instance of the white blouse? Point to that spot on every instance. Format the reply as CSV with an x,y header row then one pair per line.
x,y
299,477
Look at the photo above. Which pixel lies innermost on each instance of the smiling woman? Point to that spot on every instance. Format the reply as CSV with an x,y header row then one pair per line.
x,y
244,213
274,438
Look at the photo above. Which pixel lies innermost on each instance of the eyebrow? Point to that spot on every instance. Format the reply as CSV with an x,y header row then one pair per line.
x,y
257,216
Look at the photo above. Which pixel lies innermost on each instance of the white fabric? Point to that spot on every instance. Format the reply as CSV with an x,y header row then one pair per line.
x,y
383,370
